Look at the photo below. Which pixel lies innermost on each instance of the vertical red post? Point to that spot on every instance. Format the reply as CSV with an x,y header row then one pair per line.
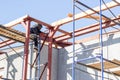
x,y
26,50
51,34
49,58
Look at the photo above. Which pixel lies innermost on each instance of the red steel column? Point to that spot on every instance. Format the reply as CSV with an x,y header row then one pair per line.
x,y
26,50
50,42
49,58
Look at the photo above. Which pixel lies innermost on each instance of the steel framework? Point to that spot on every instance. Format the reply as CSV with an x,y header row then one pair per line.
x,y
14,36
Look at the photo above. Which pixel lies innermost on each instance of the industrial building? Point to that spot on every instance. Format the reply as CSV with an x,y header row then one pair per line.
x,y
90,52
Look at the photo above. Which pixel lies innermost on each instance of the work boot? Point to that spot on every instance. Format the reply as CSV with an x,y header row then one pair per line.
x,y
35,48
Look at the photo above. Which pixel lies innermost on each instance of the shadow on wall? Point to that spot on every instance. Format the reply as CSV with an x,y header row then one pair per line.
x,y
12,67
85,53
65,63
81,72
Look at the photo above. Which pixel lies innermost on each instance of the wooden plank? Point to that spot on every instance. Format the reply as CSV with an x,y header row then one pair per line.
x,y
17,21
27,17
19,36
95,17
107,64
83,14
97,68
116,72
12,34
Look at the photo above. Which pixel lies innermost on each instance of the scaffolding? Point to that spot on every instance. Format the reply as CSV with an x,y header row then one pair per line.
x,y
52,40
103,63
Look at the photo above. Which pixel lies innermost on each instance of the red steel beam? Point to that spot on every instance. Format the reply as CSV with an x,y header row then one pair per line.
x,y
26,24
49,59
41,22
6,42
85,30
2,52
27,17
54,30
50,42
90,38
45,65
47,25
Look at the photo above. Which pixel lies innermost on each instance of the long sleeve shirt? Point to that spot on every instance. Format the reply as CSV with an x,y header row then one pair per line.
x,y
35,30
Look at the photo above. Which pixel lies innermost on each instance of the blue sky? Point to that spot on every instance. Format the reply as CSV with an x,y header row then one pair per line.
x,y
47,11
44,10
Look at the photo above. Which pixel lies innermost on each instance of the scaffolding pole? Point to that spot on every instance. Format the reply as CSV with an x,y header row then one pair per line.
x,y
38,59
73,35
31,58
101,42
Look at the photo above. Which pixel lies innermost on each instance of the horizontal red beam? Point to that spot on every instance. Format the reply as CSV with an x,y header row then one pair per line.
x,y
2,52
6,42
47,25
97,36
86,30
27,17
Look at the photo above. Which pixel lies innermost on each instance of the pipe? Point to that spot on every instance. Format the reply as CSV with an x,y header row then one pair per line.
x,y
31,58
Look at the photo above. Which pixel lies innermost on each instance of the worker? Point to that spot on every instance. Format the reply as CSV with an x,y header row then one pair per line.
x,y
35,32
